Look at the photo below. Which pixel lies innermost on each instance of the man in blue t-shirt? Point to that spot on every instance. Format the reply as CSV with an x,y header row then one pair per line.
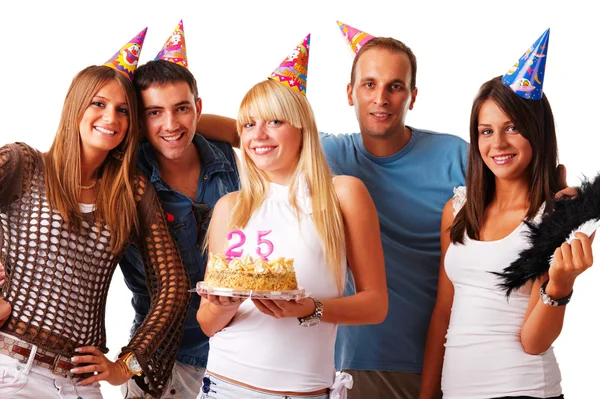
x,y
410,174
189,174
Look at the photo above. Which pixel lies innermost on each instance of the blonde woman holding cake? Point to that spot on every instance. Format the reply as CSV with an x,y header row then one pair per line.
x,y
290,206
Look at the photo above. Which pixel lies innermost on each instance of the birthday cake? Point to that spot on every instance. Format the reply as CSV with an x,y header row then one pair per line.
x,y
247,273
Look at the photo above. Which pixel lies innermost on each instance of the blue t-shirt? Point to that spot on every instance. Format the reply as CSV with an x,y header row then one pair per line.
x,y
218,176
409,189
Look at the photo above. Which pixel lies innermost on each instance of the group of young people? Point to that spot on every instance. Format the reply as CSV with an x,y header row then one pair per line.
x,y
395,232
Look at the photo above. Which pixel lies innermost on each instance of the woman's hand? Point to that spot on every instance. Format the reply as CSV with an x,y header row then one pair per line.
x,y
570,260
5,310
225,302
280,308
94,361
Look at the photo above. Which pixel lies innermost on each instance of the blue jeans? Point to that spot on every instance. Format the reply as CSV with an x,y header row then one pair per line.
x,y
216,388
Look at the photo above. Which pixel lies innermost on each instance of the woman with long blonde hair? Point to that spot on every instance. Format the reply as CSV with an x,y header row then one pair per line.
x,y
66,217
261,348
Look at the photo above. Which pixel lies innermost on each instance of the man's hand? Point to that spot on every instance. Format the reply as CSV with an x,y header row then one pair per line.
x,y
565,190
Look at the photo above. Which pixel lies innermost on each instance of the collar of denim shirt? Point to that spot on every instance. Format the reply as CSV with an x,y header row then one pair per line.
x,y
212,158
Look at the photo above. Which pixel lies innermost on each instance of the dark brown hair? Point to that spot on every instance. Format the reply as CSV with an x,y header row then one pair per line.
x,y
394,46
534,120
160,73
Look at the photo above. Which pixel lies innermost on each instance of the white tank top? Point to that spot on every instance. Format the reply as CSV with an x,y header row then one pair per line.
x,y
279,354
484,356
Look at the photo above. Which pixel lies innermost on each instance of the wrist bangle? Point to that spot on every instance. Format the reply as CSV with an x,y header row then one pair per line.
x,y
314,318
548,300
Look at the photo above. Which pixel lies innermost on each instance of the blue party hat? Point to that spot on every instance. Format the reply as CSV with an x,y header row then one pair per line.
x,y
526,76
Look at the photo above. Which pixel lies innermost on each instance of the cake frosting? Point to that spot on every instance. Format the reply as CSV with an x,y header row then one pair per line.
x,y
248,273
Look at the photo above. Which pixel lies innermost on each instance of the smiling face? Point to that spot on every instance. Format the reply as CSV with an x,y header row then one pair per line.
x,y
504,150
273,146
170,118
105,121
381,94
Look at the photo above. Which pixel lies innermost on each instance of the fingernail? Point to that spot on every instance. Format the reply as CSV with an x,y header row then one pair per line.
x,y
77,349
74,359
74,370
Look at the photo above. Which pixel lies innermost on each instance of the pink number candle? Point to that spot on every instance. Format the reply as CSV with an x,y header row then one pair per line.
x,y
231,251
269,244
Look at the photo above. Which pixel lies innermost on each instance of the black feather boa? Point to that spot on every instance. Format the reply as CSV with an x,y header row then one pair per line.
x,y
564,216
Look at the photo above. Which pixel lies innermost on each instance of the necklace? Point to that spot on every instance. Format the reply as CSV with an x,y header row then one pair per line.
x,y
90,186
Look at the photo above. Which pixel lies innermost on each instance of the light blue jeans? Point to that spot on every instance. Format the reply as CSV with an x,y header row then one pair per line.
x,y
216,388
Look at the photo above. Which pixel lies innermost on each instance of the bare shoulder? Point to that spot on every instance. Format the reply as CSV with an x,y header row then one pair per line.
x,y
226,202
449,208
448,214
217,230
350,188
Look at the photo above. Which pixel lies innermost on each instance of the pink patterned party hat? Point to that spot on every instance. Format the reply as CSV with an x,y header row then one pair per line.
x,y
126,59
356,38
174,49
293,70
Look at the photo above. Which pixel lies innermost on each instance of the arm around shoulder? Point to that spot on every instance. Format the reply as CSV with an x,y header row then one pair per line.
x,y
218,128
364,254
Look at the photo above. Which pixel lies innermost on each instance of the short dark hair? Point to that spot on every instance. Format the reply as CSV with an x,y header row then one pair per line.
x,y
161,72
535,121
394,46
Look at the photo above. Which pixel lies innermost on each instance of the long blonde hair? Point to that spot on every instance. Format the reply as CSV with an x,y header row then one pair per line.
x,y
115,203
270,100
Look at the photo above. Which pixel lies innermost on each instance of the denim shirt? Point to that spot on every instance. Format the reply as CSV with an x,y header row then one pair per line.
x,y
218,176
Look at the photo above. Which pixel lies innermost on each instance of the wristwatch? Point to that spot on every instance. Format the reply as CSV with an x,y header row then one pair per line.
x,y
132,364
548,300
312,319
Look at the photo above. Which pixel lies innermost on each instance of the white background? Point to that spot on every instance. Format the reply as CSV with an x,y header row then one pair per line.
x,y
233,45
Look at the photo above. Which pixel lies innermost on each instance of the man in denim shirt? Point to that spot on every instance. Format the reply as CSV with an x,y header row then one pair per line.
x,y
190,174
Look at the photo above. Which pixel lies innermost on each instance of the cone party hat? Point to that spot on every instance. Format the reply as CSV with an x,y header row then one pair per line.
x,y
526,76
174,49
356,38
126,59
293,70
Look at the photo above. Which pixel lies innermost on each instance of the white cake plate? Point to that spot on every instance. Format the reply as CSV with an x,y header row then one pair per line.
x,y
203,288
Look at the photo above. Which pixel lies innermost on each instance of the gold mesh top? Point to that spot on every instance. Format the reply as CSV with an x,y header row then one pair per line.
x,y
58,278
